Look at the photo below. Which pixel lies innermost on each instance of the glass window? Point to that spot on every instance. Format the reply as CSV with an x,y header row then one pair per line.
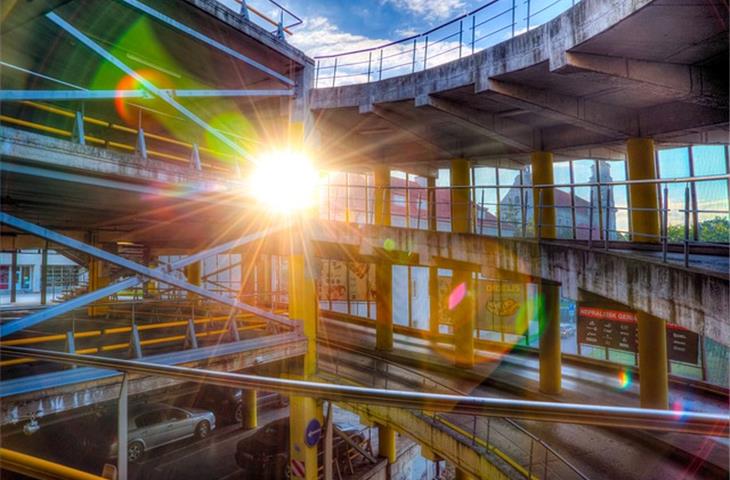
x,y
674,163
175,415
709,159
148,419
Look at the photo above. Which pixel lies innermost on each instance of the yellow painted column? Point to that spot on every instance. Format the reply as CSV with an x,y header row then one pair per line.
x,y
97,280
263,280
383,270
193,276
303,411
386,443
542,174
462,299
653,372
641,166
550,355
462,475
250,409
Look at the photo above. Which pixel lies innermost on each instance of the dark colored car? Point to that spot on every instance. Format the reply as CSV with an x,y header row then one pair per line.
x,y
227,403
265,454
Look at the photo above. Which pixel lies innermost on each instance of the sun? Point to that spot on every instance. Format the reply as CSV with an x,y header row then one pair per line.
x,y
284,182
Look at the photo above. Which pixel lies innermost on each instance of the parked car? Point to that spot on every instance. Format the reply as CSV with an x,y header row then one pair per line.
x,y
156,424
227,403
265,454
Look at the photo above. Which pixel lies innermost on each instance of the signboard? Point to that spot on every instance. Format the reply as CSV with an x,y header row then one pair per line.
x,y
500,306
340,280
312,433
618,329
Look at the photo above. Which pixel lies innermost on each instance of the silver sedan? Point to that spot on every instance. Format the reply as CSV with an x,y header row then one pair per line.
x,y
155,425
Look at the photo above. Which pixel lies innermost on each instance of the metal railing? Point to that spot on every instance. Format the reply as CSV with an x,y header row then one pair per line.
x,y
599,415
497,429
476,30
517,211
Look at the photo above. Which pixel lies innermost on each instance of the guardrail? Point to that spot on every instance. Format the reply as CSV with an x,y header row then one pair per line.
x,y
476,30
597,415
592,220
526,469
35,467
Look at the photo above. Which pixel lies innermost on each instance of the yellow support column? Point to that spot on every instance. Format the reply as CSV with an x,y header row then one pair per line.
x,y
641,166
383,270
542,174
550,355
193,276
250,409
304,412
462,475
462,283
97,280
386,443
653,374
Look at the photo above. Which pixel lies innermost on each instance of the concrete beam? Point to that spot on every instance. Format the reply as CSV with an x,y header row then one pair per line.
x,y
612,122
688,83
488,124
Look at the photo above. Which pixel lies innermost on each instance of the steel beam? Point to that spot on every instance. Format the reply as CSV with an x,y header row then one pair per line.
x,y
713,424
156,274
207,40
69,95
162,94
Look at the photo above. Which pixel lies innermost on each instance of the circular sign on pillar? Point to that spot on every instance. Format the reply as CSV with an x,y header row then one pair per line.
x,y
312,433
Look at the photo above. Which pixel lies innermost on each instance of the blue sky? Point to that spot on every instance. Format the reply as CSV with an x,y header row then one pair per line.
x,y
332,26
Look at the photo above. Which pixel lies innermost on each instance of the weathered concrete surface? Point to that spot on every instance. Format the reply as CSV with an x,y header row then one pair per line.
x,y
83,394
601,72
695,299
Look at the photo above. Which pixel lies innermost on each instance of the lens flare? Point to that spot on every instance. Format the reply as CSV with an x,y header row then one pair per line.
x,y
284,181
457,295
624,379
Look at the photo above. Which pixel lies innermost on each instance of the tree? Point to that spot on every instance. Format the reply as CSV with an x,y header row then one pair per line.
x,y
713,230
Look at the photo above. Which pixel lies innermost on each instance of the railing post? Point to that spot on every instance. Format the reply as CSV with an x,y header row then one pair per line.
x,y
334,72
590,221
370,63
425,54
473,32
122,425
528,15
78,135
608,219
316,75
481,214
380,68
539,215
665,224
413,62
686,225
461,35
514,12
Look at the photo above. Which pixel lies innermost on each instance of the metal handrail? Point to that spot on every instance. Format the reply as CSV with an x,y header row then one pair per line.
x,y
426,42
598,415
458,392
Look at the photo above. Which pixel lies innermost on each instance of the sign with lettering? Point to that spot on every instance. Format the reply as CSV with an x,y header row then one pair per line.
x,y
618,329
501,306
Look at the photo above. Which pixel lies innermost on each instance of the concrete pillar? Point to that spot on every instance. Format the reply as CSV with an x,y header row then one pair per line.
x,y
386,443
193,274
460,197
463,311
641,166
13,276
97,280
550,355
462,475
542,174
653,372
303,306
302,410
383,270
250,409
433,275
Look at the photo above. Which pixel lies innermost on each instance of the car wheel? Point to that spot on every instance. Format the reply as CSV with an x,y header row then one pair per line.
x,y
238,413
135,452
202,430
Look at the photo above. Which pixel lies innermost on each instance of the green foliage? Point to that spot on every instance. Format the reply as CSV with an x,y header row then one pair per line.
x,y
713,230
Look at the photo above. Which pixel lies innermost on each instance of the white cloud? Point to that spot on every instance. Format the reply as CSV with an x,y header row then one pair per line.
x,y
319,36
434,9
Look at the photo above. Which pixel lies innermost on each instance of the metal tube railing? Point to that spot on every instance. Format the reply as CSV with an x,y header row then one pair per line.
x,y
475,30
599,415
